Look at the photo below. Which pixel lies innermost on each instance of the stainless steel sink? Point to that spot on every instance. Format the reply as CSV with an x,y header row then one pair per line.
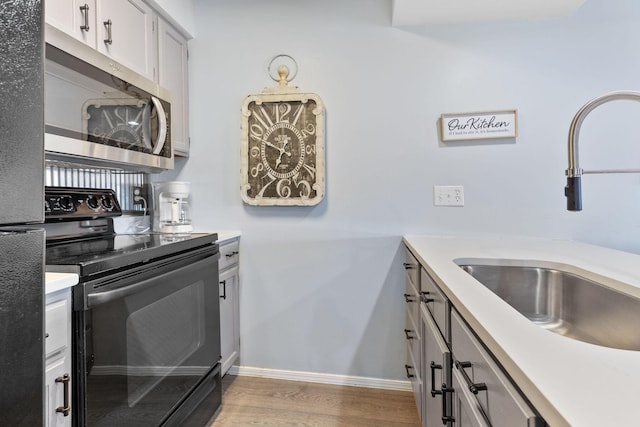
x,y
565,303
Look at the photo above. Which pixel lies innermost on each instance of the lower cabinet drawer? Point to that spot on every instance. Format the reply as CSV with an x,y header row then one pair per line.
x,y
56,320
436,302
483,381
229,253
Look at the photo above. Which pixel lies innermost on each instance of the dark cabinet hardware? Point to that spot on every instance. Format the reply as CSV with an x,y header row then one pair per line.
x,y
407,332
433,367
224,289
425,299
473,387
408,266
65,409
234,253
409,298
447,417
108,24
85,16
406,368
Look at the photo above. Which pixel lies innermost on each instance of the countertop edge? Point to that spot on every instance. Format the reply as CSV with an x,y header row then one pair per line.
x,y
58,281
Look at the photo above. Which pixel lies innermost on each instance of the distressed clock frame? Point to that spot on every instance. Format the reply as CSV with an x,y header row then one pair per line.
x,y
292,195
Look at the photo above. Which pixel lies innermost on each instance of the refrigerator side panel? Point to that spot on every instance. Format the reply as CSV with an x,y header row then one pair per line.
x,y
22,327
21,112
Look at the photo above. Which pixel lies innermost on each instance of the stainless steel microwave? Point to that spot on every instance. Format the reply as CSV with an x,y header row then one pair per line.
x,y
99,112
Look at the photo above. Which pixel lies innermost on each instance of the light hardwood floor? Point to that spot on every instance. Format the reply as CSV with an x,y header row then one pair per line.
x,y
251,401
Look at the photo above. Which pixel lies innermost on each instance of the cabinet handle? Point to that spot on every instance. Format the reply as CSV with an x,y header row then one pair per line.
x,y
109,39
473,387
433,367
65,409
85,15
425,299
224,289
409,298
407,332
406,368
446,416
408,266
234,253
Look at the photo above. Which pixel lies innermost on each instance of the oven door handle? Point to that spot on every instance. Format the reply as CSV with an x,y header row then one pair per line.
x,y
115,294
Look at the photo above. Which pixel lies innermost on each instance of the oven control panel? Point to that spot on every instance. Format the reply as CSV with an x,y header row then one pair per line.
x,y
63,203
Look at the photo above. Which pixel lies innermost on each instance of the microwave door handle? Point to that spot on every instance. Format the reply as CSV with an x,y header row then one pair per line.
x,y
162,126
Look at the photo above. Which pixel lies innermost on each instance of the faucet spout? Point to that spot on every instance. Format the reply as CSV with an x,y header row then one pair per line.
x,y
573,189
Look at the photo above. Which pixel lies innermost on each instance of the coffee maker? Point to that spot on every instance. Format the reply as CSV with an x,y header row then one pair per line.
x,y
172,211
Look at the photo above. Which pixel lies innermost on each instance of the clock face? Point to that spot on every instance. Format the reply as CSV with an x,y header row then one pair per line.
x,y
283,151
118,125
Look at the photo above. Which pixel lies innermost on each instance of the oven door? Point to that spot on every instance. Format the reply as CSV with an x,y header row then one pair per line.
x,y
146,341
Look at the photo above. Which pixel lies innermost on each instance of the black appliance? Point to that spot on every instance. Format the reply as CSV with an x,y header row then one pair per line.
x,y
21,189
146,319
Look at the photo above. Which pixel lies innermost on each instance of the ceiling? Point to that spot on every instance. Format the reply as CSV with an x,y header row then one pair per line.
x,y
418,12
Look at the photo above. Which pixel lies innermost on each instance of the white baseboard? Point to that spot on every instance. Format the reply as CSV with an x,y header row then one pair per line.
x,y
314,377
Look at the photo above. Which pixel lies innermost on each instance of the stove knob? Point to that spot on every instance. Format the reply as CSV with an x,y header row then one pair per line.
x,y
107,203
47,206
66,203
92,202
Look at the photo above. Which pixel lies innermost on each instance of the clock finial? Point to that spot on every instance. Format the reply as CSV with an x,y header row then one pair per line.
x,y
283,73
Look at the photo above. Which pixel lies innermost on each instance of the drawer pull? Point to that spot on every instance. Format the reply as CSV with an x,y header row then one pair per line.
x,y
406,368
425,299
447,417
407,332
232,254
473,387
409,298
224,289
434,366
408,266
65,409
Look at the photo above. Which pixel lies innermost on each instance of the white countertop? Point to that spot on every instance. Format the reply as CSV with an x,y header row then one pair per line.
x,y
57,281
571,383
224,235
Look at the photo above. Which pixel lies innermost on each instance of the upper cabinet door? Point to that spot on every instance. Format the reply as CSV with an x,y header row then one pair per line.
x,y
75,17
126,32
173,75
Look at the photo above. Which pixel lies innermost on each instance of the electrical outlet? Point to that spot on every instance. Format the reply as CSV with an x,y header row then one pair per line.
x,y
448,195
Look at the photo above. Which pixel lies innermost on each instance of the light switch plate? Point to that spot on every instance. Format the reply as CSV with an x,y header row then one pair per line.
x,y
448,195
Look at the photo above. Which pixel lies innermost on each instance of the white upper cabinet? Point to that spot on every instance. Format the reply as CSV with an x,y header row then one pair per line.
x,y
122,29
173,75
126,32
75,17
420,12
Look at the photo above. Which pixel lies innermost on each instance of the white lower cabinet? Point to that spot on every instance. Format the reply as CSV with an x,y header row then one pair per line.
x,y
229,303
58,358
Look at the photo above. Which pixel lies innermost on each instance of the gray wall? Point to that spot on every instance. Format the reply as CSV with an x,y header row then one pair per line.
x,y
321,286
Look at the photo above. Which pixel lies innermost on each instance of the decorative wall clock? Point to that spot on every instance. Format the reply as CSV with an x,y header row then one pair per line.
x,y
282,157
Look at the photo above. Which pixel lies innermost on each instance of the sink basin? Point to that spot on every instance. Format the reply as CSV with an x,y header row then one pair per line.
x,y
565,303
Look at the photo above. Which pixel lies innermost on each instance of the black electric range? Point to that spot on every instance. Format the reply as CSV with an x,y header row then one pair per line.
x,y
146,323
